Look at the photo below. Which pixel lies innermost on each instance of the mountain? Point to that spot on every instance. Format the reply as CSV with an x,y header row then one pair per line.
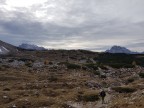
x,y
6,48
119,49
31,47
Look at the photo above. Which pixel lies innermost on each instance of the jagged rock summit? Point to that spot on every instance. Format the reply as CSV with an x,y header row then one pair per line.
x,y
119,49
6,48
31,47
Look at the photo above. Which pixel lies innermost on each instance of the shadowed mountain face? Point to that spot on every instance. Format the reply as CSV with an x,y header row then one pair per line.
x,y
31,47
6,48
119,49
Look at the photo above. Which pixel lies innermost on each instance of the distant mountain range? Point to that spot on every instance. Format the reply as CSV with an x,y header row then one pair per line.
x,y
31,47
119,49
6,48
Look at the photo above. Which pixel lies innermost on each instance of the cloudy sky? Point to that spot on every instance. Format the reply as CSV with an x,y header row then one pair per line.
x,y
73,24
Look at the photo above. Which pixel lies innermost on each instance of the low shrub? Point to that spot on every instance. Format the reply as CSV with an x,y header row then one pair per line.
x,y
103,67
28,64
52,78
130,80
66,106
88,97
104,84
46,62
25,59
92,66
103,76
2,68
141,74
10,61
121,65
5,66
9,78
6,89
50,63
96,73
73,66
124,89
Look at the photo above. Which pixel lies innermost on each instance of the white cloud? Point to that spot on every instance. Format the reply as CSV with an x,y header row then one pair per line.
x,y
23,3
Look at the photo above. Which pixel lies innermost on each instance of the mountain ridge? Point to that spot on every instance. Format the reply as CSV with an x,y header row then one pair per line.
x,y
6,48
31,47
120,49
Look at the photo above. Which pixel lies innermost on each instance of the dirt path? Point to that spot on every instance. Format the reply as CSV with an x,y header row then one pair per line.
x,y
105,105
93,104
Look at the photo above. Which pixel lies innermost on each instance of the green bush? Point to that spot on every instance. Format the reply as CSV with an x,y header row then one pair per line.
x,y
52,78
130,80
88,97
64,105
102,76
141,74
25,59
10,61
96,73
5,66
28,64
92,66
73,66
102,66
124,89
124,59
121,65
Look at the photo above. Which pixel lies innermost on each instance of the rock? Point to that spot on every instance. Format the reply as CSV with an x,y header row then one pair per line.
x,y
14,106
38,64
92,85
5,97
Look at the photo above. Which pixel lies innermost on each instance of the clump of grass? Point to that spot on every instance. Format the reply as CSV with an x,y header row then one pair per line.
x,y
103,76
64,105
52,78
96,72
124,89
103,67
92,66
141,74
121,65
28,63
9,78
73,66
4,67
130,80
88,96
35,102
51,93
6,89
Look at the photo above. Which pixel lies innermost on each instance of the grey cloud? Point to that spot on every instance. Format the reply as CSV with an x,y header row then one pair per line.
x,y
2,2
75,23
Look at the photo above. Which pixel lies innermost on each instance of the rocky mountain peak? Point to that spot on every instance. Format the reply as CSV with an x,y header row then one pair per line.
x,y
119,49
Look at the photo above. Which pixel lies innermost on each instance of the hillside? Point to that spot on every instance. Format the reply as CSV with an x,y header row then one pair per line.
x,y
71,79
